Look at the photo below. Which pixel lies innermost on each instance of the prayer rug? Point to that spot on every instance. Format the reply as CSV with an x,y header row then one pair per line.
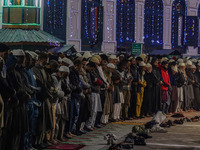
x,y
67,147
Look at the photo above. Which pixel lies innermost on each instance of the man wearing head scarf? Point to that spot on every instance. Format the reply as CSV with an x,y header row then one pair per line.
x,y
190,90
147,102
156,88
33,104
24,93
181,84
45,123
134,74
140,88
174,91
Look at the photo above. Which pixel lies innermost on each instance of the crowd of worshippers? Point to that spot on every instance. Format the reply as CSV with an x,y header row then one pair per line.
x,y
48,98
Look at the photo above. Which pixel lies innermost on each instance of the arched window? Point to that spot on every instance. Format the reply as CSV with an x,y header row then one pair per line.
x,y
92,25
179,14
153,28
125,23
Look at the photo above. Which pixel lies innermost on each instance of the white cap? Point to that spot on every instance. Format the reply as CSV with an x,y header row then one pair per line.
x,y
142,64
180,60
112,57
33,55
66,60
182,65
164,59
194,60
171,60
18,52
188,63
148,65
110,65
198,64
174,68
78,55
87,55
193,67
64,69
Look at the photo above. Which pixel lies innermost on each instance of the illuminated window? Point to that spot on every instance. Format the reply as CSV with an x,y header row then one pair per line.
x,y
21,12
125,23
179,14
153,28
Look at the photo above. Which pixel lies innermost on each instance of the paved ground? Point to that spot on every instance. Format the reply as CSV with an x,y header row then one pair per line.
x,y
180,137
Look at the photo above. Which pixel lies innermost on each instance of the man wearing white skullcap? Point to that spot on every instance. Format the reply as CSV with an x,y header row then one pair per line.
x,y
141,85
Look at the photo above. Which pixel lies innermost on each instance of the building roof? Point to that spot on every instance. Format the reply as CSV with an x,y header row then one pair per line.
x,y
21,36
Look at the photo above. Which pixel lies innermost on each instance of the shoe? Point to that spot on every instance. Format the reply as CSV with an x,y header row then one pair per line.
x,y
78,133
88,129
98,126
71,134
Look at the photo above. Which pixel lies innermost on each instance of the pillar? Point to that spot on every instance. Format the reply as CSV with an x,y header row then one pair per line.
x,y
109,26
139,21
1,13
42,15
192,10
167,24
74,23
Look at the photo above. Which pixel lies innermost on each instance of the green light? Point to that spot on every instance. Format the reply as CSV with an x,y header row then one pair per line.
x,y
19,6
28,24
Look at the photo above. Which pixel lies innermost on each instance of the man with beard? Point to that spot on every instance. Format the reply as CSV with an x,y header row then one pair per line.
x,y
75,95
33,103
134,73
156,88
140,88
44,120
147,102
24,93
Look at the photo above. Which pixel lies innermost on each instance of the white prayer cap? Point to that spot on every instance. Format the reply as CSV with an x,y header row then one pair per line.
x,y
171,60
180,60
148,65
112,57
182,65
64,69
110,65
188,63
142,64
164,59
18,52
33,55
78,55
143,56
87,55
194,60
193,67
174,68
66,60
95,60
198,64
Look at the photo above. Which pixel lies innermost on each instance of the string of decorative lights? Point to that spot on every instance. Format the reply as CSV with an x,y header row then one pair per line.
x,y
153,27
92,22
179,10
125,23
